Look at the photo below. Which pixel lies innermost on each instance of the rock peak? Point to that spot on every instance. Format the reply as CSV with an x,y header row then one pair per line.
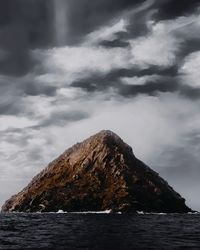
x,y
100,173
110,136
108,139
106,135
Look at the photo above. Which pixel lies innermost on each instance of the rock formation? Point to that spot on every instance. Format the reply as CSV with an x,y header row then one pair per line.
x,y
101,173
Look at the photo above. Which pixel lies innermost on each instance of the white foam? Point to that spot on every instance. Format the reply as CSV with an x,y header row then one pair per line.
x,y
86,212
193,212
60,212
141,212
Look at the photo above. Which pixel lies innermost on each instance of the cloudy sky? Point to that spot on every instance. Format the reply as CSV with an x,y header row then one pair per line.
x,y
69,68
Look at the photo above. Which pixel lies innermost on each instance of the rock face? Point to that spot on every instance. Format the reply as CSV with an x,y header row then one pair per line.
x,y
101,173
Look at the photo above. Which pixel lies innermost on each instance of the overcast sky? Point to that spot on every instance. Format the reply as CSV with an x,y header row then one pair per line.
x,y
69,68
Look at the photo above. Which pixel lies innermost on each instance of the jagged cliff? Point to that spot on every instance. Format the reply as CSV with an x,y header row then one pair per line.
x,y
101,173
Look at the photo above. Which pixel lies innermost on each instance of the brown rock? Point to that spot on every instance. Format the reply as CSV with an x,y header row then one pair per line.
x,y
101,173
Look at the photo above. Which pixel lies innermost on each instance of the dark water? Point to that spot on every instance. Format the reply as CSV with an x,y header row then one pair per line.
x,y
99,231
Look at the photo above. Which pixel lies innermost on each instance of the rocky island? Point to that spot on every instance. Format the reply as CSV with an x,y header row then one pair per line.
x,y
101,173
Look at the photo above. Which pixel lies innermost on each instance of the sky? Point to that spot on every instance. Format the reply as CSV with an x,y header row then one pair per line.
x,y
70,68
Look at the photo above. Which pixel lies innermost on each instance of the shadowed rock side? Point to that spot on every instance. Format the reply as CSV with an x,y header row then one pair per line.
x,y
101,173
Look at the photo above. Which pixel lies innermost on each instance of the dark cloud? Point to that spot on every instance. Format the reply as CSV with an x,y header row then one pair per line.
x,y
150,87
100,81
14,89
166,81
61,118
114,44
23,25
136,27
30,20
192,93
26,24
92,14
34,22
189,46
169,9
181,163
9,109
33,89
35,153
162,84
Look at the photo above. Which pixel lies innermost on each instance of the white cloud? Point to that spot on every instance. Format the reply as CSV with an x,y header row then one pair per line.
x,y
158,48
8,122
190,70
64,65
146,123
107,32
186,27
71,93
165,40
38,106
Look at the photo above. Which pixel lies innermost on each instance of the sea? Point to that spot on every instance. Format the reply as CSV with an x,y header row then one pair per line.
x,y
95,231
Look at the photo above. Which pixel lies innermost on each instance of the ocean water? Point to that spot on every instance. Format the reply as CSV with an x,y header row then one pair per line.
x,y
99,231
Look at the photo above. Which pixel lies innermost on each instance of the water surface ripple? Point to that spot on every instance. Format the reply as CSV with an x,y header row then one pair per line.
x,y
99,231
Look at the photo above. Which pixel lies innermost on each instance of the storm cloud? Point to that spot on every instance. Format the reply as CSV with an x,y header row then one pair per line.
x,y
71,68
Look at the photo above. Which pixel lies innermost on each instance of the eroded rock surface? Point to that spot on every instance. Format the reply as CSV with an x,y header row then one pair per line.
x,y
101,173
